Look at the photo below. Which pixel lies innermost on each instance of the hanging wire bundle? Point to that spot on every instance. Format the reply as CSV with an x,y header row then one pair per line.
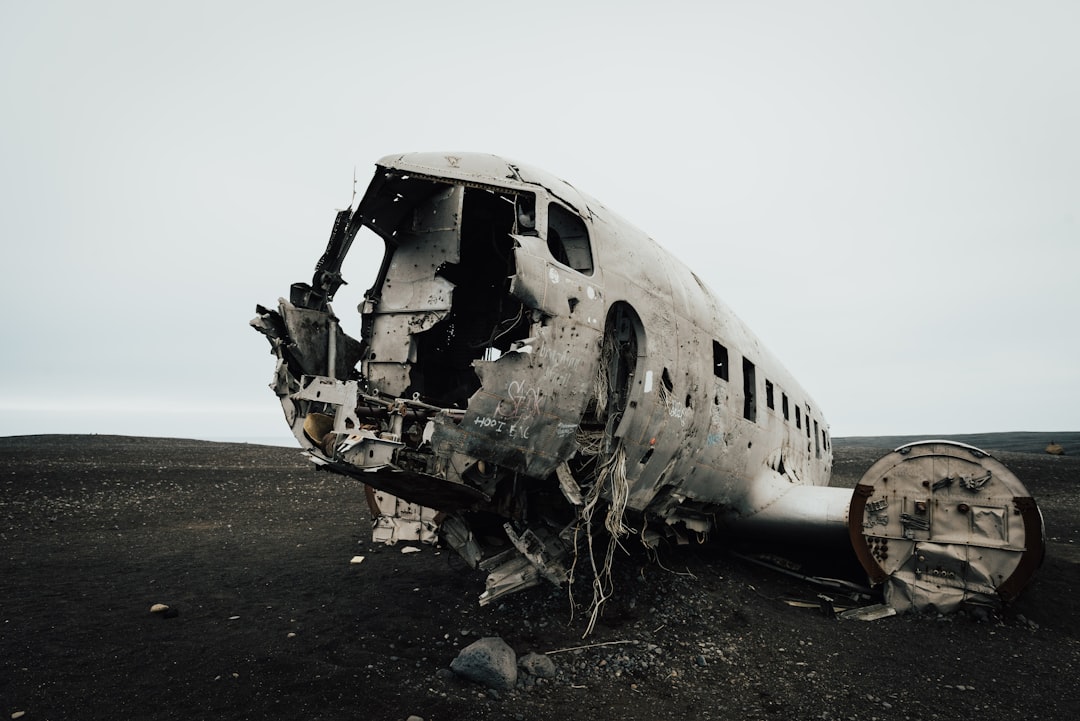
x,y
611,476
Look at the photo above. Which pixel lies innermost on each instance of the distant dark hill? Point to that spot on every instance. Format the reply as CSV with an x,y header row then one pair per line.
x,y
1019,442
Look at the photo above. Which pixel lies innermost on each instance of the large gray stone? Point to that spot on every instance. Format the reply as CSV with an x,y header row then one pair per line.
x,y
489,661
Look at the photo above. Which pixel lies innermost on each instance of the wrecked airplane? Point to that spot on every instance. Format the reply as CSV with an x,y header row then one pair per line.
x,y
533,374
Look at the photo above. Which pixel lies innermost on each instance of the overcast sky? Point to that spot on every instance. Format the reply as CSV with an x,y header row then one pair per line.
x,y
887,192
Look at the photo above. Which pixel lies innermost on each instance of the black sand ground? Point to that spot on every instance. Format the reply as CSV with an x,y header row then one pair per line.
x,y
252,548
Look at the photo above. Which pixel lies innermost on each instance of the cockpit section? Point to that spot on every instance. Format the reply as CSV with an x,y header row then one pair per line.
x,y
474,368
443,298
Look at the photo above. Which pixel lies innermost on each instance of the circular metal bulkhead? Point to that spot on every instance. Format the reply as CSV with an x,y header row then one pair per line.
x,y
944,524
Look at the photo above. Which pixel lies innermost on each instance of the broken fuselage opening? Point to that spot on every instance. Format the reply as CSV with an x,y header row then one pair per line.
x,y
483,320
468,385
440,306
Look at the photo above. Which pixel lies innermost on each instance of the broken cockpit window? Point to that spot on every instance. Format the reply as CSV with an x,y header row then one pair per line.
x,y
568,239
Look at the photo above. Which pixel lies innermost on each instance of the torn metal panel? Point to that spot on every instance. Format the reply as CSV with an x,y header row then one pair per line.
x,y
875,612
340,395
527,413
508,572
398,520
415,293
309,342
536,282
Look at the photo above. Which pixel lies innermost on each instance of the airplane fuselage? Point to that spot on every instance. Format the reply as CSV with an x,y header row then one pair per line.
x,y
527,358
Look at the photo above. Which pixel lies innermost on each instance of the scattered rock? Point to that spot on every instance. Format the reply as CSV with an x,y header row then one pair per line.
x,y
537,664
164,611
489,661
410,549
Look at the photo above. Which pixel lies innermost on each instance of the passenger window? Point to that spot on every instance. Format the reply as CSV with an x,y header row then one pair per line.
x,y
749,390
568,239
719,361
769,401
784,406
798,417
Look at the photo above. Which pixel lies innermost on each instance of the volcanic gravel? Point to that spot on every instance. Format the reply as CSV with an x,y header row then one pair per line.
x,y
250,549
